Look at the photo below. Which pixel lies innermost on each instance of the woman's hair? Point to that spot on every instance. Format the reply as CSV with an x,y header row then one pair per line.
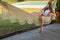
x,y
50,7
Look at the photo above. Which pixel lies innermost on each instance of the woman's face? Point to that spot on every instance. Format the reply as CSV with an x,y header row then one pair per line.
x,y
47,6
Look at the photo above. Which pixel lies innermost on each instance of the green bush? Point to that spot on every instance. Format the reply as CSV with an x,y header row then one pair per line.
x,y
58,6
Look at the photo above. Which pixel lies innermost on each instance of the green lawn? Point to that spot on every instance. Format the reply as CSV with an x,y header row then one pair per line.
x,y
7,27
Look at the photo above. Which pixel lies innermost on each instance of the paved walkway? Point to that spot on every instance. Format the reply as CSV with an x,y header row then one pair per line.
x,y
51,32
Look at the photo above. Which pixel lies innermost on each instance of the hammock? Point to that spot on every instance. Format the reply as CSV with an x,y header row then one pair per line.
x,y
15,14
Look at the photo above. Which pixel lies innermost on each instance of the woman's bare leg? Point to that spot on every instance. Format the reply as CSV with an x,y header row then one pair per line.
x,y
42,23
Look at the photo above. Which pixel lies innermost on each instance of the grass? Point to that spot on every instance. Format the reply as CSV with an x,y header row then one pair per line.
x,y
7,27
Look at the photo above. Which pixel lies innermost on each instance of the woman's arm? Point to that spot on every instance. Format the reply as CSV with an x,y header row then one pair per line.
x,y
41,12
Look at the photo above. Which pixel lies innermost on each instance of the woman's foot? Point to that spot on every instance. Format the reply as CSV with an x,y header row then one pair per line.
x,y
41,30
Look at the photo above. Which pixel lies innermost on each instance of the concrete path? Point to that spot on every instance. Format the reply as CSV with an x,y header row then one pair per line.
x,y
51,32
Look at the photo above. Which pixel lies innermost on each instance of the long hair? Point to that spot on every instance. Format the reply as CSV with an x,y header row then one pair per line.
x,y
50,7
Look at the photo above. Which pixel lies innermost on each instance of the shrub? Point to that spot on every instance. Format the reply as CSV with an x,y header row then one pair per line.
x,y
58,6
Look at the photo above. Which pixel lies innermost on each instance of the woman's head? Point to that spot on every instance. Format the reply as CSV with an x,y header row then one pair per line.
x,y
49,6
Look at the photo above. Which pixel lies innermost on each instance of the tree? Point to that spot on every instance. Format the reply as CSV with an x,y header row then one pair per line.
x,y
58,6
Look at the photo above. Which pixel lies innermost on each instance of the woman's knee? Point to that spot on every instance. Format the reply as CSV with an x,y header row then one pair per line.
x,y
43,18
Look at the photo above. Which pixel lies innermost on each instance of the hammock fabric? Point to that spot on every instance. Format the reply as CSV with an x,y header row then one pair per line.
x,y
15,14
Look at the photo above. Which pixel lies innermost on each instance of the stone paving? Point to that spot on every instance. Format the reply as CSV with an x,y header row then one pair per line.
x,y
51,32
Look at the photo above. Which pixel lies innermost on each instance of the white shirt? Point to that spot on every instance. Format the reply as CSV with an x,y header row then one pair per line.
x,y
46,12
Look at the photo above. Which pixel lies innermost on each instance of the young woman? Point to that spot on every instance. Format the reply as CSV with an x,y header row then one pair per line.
x,y
48,11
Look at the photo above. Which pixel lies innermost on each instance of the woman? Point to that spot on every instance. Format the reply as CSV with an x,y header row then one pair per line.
x,y
48,11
